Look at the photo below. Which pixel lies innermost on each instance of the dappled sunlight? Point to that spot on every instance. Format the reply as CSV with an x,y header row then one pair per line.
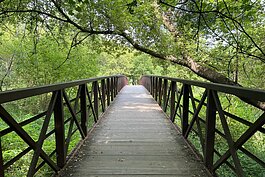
x,y
141,107
130,94
141,96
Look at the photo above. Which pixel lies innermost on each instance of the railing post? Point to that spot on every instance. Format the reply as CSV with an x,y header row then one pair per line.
x,y
108,91
160,91
95,95
172,101
210,131
1,160
149,84
59,130
84,110
119,83
146,81
185,111
156,88
165,94
115,86
103,92
112,89
152,85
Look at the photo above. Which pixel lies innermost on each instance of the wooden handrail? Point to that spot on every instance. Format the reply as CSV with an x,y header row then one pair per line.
x,y
17,94
185,110
234,90
101,90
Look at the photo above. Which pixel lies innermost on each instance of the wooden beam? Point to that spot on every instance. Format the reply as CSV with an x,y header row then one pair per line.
x,y
59,130
210,131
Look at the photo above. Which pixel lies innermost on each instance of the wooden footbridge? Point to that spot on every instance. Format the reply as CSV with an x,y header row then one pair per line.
x,y
163,127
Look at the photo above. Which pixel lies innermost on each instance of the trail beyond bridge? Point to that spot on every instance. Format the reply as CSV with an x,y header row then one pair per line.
x,y
104,127
135,138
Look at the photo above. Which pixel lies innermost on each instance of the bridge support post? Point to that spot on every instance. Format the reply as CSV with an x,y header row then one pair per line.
x,y
156,88
84,111
108,91
59,130
112,89
160,91
115,86
165,95
152,86
103,94
172,101
153,83
95,94
210,131
185,111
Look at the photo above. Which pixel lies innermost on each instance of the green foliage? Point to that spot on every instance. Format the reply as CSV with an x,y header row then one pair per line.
x,y
38,48
134,65
46,62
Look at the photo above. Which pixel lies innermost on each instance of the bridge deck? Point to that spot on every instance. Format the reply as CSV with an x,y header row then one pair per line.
x,y
134,138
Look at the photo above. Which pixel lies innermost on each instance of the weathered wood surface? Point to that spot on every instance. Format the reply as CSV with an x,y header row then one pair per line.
x,y
134,138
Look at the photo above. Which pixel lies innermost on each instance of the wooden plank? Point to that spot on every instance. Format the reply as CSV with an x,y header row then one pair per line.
x,y
135,138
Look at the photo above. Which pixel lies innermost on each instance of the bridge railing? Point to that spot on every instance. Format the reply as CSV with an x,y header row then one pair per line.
x,y
229,138
72,109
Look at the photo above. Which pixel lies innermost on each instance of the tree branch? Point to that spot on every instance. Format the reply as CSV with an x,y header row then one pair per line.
x,y
7,72
68,20
221,15
74,43
33,11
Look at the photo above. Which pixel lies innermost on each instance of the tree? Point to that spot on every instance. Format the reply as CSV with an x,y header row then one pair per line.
x,y
182,32
48,64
